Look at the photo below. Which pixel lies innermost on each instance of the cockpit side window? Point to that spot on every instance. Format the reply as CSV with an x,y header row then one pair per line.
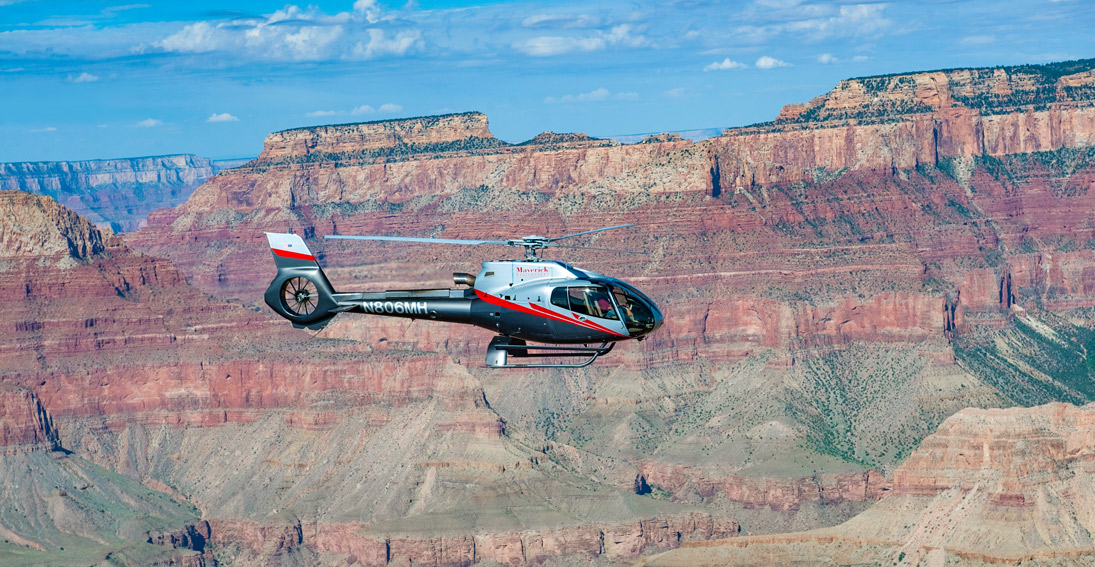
x,y
586,300
559,298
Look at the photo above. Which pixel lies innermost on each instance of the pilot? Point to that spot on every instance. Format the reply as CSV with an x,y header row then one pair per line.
x,y
605,306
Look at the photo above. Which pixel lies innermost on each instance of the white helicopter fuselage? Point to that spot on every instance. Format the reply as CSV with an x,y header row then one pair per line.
x,y
536,300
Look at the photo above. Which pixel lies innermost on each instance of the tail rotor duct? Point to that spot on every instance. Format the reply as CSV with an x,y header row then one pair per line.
x,y
299,296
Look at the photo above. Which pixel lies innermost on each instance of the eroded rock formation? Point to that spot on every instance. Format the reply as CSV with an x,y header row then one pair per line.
x,y
835,286
114,193
991,487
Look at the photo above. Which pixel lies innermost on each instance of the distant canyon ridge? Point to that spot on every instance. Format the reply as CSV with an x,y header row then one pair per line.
x,y
879,307
114,193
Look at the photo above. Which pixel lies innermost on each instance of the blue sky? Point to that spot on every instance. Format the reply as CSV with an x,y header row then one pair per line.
x,y
91,79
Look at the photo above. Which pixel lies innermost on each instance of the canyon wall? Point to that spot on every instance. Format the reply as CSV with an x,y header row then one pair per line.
x,y
990,487
905,121
343,138
111,357
114,193
852,242
353,545
836,284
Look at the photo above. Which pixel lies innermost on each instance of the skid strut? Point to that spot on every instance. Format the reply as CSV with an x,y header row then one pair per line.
x,y
502,348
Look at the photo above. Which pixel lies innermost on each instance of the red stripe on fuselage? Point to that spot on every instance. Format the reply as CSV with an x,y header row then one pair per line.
x,y
537,310
534,309
575,320
293,255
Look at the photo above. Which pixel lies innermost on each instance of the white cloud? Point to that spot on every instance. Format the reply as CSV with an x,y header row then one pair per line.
x,y
724,65
381,44
196,38
296,34
592,96
84,77
222,117
850,20
766,62
545,46
561,21
363,109
320,113
812,22
829,59
149,123
778,4
369,9
46,129
676,93
390,107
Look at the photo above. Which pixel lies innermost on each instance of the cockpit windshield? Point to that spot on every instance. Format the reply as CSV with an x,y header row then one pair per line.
x,y
610,300
638,313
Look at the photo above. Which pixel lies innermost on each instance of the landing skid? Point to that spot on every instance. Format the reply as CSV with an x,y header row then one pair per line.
x,y
501,349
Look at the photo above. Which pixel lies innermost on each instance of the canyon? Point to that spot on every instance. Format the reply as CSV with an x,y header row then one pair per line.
x,y
990,487
839,285
114,193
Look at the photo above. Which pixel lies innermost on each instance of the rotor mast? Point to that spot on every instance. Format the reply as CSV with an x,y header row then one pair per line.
x,y
531,244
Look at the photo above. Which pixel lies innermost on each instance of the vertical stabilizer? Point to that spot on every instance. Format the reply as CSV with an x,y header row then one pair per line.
x,y
300,291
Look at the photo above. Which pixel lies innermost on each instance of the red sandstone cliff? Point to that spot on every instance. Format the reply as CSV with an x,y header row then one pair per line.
x,y
908,120
816,278
777,494
366,136
355,545
113,356
991,487
24,423
901,215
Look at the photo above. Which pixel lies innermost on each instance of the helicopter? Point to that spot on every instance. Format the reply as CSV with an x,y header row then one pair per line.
x,y
533,299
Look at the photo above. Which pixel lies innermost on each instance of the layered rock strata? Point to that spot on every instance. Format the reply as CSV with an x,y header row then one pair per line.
x,y
910,120
24,424
113,193
816,272
354,545
775,494
990,487
113,356
823,299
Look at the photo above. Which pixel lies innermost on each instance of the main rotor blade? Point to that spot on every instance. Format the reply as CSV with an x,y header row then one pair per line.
x,y
589,232
596,248
413,239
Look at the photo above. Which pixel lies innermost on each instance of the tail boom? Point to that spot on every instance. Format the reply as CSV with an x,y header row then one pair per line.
x,y
301,293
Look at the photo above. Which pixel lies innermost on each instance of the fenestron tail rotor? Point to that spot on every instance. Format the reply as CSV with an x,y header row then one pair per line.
x,y
299,296
530,243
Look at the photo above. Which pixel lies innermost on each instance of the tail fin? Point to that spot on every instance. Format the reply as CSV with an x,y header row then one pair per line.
x,y
300,291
